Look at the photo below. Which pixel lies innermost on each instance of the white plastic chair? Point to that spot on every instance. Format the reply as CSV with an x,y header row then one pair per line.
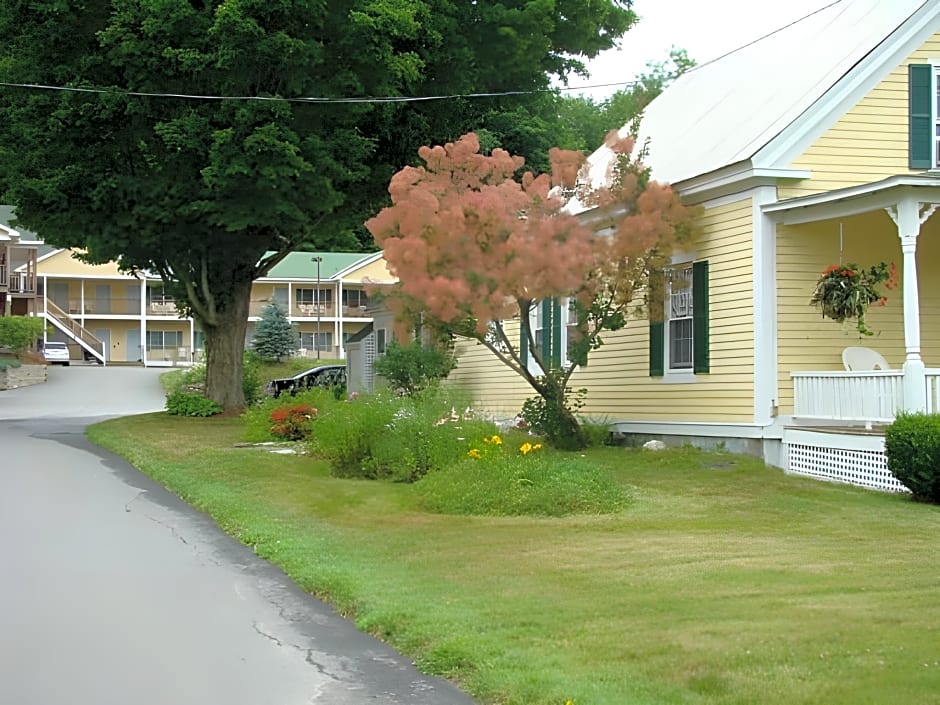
x,y
858,359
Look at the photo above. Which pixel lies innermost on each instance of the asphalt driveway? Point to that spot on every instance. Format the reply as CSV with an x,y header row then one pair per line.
x,y
113,591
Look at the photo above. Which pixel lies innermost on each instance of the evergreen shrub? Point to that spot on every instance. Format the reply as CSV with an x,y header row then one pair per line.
x,y
912,446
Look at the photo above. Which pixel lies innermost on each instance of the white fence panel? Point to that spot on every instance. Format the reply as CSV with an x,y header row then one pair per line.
x,y
868,397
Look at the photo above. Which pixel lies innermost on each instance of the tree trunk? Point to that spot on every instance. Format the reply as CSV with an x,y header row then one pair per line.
x,y
225,348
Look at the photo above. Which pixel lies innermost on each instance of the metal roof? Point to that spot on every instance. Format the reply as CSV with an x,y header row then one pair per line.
x,y
300,265
725,111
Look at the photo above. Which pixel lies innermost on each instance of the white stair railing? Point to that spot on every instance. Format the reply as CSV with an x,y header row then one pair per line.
x,y
73,329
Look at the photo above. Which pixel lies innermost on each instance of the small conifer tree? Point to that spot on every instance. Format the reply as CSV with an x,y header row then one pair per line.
x,y
275,337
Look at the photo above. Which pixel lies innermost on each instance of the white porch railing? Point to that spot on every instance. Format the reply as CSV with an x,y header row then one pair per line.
x,y
933,391
854,397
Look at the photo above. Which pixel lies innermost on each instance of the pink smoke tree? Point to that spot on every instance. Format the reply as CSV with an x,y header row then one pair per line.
x,y
477,241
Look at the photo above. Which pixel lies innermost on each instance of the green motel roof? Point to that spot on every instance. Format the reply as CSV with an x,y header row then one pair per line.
x,y
299,265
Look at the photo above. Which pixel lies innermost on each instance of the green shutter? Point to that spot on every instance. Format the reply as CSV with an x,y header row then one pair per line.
x,y
700,357
920,99
546,332
655,302
556,333
657,361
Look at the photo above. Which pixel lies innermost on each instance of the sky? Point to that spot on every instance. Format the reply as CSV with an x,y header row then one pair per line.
x,y
705,28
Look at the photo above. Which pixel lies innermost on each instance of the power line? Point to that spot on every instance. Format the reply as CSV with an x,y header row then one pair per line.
x,y
309,100
769,34
314,100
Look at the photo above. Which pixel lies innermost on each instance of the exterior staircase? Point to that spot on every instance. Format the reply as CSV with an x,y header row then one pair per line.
x,y
74,330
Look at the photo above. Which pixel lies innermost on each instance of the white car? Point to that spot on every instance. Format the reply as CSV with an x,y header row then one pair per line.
x,y
56,353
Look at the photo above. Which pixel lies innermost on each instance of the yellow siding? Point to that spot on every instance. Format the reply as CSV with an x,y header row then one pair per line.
x,y
493,386
263,291
64,264
617,375
118,333
869,142
808,342
375,272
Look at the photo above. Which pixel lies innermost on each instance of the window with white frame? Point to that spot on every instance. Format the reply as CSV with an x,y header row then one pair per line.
x,y
317,341
679,333
309,297
678,325
354,298
570,331
542,319
164,339
538,323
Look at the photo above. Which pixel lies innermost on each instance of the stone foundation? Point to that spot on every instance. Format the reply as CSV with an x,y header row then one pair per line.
x,y
22,376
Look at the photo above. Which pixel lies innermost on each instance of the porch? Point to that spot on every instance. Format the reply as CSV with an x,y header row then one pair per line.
x,y
834,419
868,398
839,421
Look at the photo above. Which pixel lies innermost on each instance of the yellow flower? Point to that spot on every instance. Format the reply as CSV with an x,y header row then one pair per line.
x,y
496,441
486,440
536,446
525,448
473,453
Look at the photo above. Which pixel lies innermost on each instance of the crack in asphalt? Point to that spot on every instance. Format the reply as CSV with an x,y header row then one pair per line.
x,y
257,627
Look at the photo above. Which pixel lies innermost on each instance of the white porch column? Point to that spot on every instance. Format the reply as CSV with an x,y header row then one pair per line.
x,y
909,217
341,348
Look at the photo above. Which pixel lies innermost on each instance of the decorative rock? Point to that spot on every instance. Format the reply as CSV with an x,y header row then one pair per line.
x,y
654,445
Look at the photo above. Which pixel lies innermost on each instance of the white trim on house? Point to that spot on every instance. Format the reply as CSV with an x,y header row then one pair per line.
x,y
735,179
764,254
857,82
716,429
367,259
854,200
8,234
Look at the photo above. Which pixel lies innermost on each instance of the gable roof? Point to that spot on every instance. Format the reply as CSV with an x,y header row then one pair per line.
x,y
300,265
726,111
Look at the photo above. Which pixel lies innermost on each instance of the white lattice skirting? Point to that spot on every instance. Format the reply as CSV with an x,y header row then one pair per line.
x,y
853,459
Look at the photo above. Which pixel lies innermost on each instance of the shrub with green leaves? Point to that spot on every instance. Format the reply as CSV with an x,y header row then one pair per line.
x,y
347,436
508,482
383,436
413,368
252,384
19,332
8,362
293,423
912,446
553,414
183,402
428,431
257,418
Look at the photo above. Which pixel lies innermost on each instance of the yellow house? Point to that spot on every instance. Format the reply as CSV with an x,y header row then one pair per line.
x,y
818,145
112,316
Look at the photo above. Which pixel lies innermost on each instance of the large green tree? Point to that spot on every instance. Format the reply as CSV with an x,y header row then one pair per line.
x,y
210,193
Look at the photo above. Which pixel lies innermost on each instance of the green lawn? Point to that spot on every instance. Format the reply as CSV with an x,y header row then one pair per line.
x,y
724,582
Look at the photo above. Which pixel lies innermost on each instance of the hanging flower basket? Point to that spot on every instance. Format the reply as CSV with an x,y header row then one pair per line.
x,y
844,292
